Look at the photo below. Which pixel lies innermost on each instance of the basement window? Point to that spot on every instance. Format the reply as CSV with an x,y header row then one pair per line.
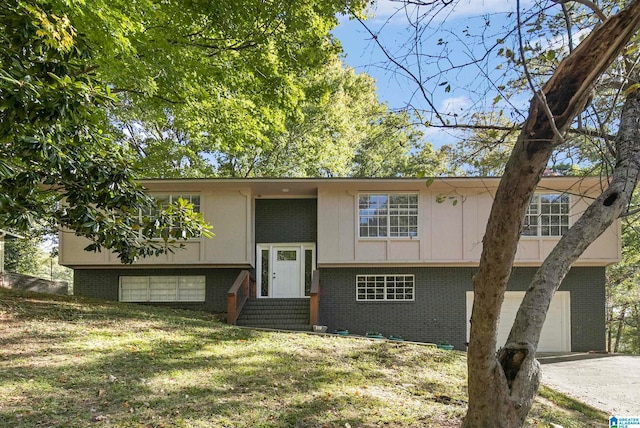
x,y
385,288
162,288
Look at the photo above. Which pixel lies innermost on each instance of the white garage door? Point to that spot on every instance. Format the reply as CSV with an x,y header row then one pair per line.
x,y
556,332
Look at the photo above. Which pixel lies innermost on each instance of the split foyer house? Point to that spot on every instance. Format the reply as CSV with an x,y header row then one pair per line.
x,y
389,255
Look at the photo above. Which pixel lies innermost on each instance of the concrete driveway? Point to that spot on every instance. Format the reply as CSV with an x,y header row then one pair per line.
x,y
610,382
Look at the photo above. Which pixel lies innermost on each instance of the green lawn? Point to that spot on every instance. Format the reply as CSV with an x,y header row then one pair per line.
x,y
70,362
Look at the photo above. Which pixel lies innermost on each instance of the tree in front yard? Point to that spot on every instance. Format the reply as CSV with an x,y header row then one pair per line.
x,y
56,161
90,90
560,78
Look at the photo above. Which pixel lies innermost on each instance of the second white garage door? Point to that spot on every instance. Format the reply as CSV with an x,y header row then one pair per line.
x,y
556,332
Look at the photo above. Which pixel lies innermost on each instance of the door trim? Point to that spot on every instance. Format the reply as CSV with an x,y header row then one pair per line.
x,y
271,249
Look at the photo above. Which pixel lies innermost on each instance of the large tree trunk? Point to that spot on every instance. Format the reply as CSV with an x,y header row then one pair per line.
x,y
502,385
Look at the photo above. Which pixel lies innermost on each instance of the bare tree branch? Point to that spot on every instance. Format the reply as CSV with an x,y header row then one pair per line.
x,y
591,5
397,63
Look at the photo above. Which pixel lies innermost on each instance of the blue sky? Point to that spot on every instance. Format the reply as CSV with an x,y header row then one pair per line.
x,y
460,24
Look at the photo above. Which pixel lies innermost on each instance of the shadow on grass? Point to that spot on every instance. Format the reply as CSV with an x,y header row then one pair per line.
x,y
79,362
177,381
64,364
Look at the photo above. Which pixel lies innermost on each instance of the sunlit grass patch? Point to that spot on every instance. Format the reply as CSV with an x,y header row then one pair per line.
x,y
67,362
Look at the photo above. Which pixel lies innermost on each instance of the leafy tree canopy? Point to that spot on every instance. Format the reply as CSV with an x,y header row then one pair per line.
x,y
195,79
91,90
56,161
340,129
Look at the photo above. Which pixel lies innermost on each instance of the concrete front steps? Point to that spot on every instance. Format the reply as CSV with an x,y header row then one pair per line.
x,y
280,314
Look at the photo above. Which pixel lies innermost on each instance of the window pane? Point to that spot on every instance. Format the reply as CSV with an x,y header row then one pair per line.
x,y
372,215
287,255
195,201
403,215
163,289
545,213
133,289
264,274
163,200
384,287
308,273
398,200
191,288
393,215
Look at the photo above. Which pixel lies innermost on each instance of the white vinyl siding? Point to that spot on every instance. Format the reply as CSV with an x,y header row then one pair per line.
x,y
547,215
385,287
162,288
393,215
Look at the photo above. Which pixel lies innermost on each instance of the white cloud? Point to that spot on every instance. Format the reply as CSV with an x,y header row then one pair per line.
x,y
439,137
455,105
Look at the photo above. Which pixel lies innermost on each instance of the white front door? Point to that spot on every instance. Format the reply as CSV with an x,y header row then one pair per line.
x,y
284,269
287,272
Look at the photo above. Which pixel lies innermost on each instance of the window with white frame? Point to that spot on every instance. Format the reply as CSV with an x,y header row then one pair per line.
x,y
164,200
393,215
162,288
385,287
547,215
